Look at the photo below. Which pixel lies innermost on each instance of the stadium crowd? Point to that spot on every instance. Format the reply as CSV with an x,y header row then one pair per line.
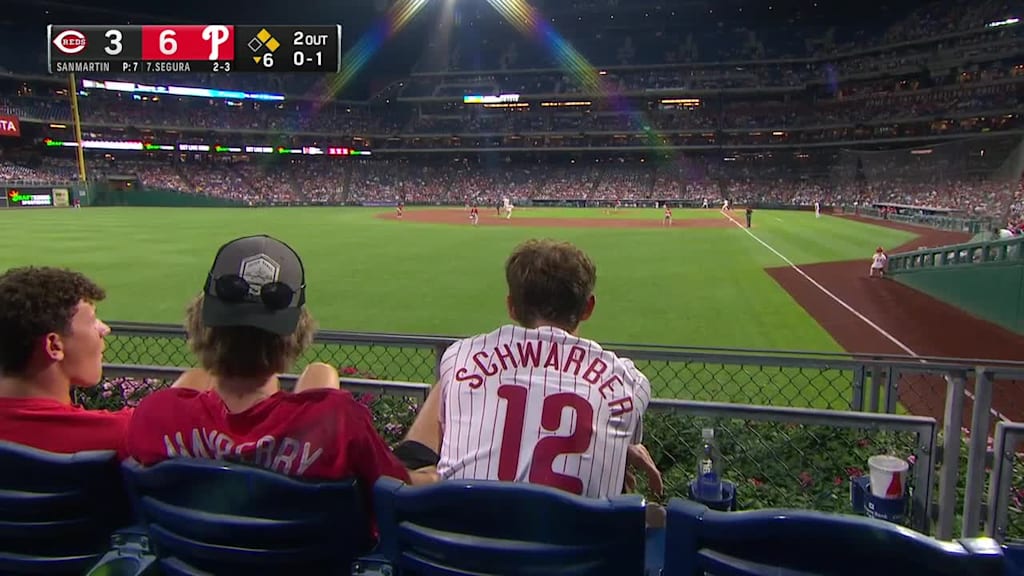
x,y
939,72
691,180
51,338
996,88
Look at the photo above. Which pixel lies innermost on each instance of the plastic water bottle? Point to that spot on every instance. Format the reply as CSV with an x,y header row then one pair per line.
x,y
709,468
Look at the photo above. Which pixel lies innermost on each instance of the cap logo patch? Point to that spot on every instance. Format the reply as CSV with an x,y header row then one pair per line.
x,y
258,271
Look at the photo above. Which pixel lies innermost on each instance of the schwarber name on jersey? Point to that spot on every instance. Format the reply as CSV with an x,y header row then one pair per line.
x,y
540,406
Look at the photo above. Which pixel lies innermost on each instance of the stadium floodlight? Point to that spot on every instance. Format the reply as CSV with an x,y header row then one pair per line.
x,y
1007,22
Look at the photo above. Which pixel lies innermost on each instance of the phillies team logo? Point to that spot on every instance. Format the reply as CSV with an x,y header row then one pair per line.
x,y
70,42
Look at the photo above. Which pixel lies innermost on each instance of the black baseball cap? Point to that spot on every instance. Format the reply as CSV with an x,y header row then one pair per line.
x,y
255,281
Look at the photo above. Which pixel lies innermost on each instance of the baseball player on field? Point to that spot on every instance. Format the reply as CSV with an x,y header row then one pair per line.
x,y
667,220
399,210
533,401
878,263
474,215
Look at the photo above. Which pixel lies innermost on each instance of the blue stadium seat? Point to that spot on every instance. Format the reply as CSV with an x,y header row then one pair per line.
x,y
480,527
57,511
802,542
214,517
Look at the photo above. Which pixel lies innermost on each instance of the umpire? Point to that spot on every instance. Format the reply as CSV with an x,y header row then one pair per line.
x,y
750,215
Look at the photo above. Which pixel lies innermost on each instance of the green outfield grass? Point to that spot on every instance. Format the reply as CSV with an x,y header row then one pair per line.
x,y
700,287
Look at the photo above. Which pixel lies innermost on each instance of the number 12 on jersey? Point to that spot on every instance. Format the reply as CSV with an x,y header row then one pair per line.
x,y
548,448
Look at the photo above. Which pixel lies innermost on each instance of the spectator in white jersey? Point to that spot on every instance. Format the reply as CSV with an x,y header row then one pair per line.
x,y
535,402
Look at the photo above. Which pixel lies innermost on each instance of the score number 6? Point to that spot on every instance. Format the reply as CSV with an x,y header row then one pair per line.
x,y
168,45
549,447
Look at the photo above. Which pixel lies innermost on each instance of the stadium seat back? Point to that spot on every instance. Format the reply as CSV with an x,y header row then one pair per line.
x,y
802,542
208,516
57,511
481,527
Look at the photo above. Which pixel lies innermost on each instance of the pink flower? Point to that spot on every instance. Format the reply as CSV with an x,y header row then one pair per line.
x,y
837,481
805,479
349,371
756,482
854,472
863,442
912,459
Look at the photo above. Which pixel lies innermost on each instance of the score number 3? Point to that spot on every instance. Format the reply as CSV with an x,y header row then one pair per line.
x,y
549,447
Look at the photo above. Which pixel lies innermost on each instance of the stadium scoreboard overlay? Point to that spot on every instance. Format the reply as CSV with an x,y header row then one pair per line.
x,y
213,48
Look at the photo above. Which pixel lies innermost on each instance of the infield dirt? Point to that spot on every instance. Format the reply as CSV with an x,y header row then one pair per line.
x,y
490,218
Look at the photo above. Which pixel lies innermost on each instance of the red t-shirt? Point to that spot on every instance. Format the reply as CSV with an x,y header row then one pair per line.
x,y
63,428
321,434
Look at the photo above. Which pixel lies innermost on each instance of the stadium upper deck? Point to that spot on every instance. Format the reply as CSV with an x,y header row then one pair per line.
x,y
729,96
940,71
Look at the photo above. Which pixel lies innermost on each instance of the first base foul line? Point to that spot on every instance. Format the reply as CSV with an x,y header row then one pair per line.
x,y
849,308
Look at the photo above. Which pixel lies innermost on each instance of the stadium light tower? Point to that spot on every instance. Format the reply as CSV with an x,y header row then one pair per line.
x,y
76,121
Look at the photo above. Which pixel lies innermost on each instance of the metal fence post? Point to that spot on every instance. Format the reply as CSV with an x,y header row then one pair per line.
x,y
857,401
999,483
439,350
950,472
892,385
976,456
876,387
923,483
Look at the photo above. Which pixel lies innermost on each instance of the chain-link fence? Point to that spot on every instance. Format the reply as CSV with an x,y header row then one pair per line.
x,y
1005,517
797,380
919,391
394,405
746,379
410,361
777,463
773,462
1015,503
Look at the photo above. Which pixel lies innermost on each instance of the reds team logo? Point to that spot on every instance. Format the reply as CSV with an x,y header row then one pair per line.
x,y
70,42
258,271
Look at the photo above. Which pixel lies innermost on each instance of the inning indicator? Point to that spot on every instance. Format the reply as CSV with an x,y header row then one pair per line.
x,y
207,48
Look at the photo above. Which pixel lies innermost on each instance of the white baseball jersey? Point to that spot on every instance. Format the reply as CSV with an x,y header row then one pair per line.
x,y
879,260
540,406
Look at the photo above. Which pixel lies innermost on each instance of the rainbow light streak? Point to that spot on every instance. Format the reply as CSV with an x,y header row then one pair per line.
x,y
527,19
400,14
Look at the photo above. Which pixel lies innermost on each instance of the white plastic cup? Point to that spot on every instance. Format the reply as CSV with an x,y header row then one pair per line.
x,y
888,476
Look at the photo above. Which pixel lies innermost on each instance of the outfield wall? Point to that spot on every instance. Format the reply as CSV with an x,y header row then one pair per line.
x,y
103,195
985,279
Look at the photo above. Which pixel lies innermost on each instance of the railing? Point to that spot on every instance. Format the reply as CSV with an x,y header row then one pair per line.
x,y
955,223
780,455
877,386
991,252
730,417
1005,485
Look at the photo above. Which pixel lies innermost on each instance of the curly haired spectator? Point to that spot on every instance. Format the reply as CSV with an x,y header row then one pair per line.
x,y
50,341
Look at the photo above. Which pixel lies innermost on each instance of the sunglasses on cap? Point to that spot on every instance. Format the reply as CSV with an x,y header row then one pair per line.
x,y
233,289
